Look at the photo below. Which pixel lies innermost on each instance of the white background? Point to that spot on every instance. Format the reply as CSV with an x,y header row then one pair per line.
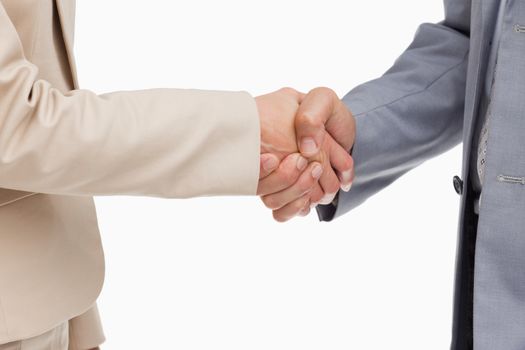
x,y
218,273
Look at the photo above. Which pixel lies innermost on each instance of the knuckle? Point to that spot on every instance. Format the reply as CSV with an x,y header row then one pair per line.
x,y
270,202
317,196
350,161
288,90
299,205
332,189
306,185
325,91
347,163
289,163
277,216
323,159
288,177
309,121
305,212
305,118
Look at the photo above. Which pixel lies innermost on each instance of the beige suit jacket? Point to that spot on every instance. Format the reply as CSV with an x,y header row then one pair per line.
x,y
60,145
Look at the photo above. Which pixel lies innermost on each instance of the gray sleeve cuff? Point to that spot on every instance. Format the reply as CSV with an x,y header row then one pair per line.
x,y
326,212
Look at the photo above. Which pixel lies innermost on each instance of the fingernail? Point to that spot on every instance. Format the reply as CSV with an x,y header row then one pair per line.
x,y
302,163
308,146
317,171
328,198
347,176
270,164
313,205
346,188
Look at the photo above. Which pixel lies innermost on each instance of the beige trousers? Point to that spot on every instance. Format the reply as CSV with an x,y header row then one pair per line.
x,y
83,332
55,339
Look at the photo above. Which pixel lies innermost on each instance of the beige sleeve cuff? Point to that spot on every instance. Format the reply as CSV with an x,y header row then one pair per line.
x,y
228,156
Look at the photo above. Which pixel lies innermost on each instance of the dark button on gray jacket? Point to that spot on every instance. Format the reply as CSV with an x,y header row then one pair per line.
x,y
427,103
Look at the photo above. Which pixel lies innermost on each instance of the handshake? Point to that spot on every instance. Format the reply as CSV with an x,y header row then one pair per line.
x,y
305,144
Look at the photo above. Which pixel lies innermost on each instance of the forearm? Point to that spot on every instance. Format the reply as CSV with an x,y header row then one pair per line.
x,y
411,114
165,142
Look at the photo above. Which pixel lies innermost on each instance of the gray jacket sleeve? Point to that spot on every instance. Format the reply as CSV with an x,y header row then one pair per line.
x,y
412,113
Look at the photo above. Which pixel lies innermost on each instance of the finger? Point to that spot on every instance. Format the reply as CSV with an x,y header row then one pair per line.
x,y
304,185
342,163
328,198
305,211
269,162
314,112
341,126
293,93
316,195
285,176
291,210
330,184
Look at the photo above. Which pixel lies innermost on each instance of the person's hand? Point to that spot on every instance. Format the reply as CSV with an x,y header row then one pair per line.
x,y
290,186
322,118
322,114
284,187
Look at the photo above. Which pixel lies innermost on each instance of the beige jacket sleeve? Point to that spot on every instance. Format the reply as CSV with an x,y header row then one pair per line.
x,y
166,142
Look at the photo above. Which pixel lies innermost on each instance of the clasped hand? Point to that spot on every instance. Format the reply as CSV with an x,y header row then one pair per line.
x,y
305,144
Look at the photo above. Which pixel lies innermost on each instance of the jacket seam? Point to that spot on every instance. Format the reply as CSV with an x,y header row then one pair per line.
x,y
2,313
36,31
17,199
429,85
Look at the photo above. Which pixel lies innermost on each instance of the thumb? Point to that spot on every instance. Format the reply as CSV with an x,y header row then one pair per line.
x,y
320,109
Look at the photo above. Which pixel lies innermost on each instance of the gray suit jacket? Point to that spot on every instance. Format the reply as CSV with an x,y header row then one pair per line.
x,y
424,105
